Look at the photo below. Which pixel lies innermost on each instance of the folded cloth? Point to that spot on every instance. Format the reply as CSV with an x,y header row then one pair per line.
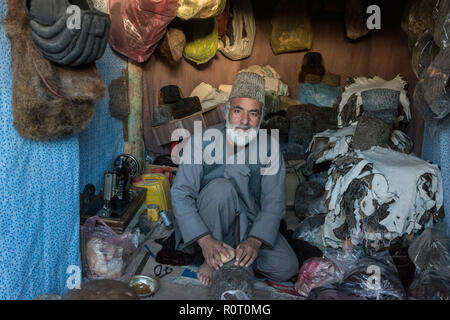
x,y
375,197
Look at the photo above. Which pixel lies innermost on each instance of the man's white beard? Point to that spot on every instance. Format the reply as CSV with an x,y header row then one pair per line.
x,y
240,137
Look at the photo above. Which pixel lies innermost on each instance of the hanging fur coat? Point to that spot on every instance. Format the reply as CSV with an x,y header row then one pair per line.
x,y
49,101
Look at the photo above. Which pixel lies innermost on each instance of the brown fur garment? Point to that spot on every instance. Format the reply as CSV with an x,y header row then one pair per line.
x,y
41,113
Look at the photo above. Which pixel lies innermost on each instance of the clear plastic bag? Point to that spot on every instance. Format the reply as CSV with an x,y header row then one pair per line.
x,y
431,250
430,285
332,292
375,278
311,230
345,258
317,272
106,253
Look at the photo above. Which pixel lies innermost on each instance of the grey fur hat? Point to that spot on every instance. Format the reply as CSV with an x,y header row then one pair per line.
x,y
248,85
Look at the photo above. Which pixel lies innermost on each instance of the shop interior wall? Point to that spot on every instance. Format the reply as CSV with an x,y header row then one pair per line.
x,y
382,53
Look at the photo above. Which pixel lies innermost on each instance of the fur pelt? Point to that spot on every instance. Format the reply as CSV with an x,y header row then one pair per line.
x,y
49,101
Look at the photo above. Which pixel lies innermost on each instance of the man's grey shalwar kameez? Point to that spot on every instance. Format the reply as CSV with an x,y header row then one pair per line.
x,y
220,199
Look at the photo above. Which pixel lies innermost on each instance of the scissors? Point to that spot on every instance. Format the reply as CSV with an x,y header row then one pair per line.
x,y
160,272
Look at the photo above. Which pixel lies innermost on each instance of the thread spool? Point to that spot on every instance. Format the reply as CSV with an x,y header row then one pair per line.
x,y
166,220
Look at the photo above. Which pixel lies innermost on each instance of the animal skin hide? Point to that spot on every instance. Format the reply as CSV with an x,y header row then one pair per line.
x,y
49,101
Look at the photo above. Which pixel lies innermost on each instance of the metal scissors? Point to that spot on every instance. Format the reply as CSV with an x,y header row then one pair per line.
x,y
160,272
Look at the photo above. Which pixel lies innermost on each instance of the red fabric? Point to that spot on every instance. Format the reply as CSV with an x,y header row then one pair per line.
x,y
138,25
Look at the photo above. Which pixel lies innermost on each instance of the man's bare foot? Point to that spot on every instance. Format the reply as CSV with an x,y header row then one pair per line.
x,y
204,274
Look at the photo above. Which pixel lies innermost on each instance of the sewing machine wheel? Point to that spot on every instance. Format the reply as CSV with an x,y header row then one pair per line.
x,y
129,162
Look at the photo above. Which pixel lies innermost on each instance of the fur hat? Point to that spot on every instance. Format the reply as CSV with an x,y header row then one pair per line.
x,y
248,85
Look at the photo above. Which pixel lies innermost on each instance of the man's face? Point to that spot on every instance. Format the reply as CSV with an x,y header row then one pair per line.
x,y
245,113
243,120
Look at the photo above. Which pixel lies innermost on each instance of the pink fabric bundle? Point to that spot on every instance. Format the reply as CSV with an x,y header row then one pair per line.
x,y
317,272
138,25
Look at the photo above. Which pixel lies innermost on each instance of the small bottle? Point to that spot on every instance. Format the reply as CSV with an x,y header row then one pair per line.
x,y
166,220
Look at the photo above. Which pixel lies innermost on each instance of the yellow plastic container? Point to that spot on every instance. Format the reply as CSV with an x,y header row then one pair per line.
x,y
158,190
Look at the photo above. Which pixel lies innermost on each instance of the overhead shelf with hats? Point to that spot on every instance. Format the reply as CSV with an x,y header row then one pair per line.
x,y
101,96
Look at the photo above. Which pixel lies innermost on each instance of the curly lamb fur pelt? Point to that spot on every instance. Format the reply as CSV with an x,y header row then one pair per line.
x,y
49,101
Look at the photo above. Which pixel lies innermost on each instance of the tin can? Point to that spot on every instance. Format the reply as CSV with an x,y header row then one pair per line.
x,y
153,212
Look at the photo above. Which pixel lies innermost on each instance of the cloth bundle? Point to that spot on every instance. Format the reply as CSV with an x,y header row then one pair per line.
x,y
355,21
50,22
237,43
202,37
208,95
351,105
291,27
377,196
271,77
138,26
172,45
200,9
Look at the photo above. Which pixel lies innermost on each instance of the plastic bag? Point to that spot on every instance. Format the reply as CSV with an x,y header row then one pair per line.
x,y
332,292
433,91
138,26
430,285
442,24
106,253
345,258
202,37
237,43
317,272
431,250
375,277
291,27
200,9
424,52
311,230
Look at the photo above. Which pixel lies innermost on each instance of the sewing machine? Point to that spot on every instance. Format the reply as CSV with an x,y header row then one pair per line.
x,y
119,201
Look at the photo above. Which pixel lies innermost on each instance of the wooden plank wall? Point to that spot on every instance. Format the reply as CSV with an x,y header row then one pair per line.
x,y
382,53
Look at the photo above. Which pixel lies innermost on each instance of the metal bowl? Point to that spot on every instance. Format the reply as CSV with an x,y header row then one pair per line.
x,y
143,285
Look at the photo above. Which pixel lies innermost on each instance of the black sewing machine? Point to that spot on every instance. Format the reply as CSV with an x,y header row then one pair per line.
x,y
118,199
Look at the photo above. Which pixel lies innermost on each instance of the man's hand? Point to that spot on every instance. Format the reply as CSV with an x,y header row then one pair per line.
x,y
212,249
247,252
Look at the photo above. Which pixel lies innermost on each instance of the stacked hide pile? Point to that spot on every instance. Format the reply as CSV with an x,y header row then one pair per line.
x,y
351,104
49,101
330,144
375,197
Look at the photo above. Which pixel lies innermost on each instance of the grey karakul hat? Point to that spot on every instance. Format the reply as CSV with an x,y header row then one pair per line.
x,y
248,85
